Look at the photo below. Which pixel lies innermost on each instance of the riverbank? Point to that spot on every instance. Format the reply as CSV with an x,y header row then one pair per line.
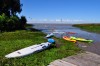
x,y
89,27
94,30
12,41
87,58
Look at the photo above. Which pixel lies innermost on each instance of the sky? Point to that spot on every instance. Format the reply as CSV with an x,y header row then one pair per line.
x,y
69,10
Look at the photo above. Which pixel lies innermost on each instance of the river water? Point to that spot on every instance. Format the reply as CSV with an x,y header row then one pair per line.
x,y
63,30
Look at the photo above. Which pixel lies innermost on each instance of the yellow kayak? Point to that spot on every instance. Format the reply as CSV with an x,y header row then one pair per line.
x,y
69,39
81,39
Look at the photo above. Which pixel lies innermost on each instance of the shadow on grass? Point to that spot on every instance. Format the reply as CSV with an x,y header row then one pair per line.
x,y
33,29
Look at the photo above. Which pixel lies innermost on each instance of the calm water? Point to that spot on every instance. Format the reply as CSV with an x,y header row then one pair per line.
x,y
48,28
94,47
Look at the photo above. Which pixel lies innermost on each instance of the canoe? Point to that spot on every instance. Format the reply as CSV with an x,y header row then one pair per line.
x,y
81,39
28,50
49,35
69,39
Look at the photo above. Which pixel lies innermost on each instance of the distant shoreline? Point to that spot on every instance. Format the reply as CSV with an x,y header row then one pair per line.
x,y
49,24
58,23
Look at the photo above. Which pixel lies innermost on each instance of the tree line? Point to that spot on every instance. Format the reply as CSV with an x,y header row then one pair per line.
x,y
9,19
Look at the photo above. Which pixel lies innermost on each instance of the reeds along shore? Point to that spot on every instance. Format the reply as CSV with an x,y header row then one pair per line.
x,y
89,27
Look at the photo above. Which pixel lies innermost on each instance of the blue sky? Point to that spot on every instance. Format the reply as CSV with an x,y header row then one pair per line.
x,y
87,10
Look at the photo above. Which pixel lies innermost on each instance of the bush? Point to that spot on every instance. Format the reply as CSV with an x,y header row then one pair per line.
x,y
3,20
12,23
16,23
23,21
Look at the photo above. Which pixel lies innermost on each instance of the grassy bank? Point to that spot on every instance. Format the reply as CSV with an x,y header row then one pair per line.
x,y
28,25
12,41
89,27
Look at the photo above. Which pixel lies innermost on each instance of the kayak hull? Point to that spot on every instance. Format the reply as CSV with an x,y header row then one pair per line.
x,y
28,50
71,32
81,39
69,39
49,35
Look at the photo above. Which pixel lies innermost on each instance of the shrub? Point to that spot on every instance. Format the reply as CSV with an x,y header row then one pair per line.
x,y
23,21
12,23
16,23
3,20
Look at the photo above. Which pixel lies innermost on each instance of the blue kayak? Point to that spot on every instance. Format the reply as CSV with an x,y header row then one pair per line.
x,y
51,40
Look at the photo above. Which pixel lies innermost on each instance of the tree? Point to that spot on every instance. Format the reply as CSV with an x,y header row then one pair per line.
x,y
15,7
9,21
10,7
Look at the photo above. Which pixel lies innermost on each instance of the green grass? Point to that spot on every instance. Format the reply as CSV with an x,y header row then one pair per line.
x,y
89,27
12,41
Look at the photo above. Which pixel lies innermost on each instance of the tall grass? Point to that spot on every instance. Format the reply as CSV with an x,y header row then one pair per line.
x,y
89,27
12,41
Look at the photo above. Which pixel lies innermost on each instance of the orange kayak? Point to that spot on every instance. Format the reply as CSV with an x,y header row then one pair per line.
x,y
69,39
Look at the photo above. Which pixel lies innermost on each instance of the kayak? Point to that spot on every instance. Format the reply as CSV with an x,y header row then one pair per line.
x,y
51,40
71,32
49,35
28,50
81,39
69,39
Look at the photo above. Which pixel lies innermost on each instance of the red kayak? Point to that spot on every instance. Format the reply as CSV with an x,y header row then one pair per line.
x,y
71,32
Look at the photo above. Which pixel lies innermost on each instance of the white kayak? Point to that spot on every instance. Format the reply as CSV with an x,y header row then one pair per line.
x,y
28,50
49,35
